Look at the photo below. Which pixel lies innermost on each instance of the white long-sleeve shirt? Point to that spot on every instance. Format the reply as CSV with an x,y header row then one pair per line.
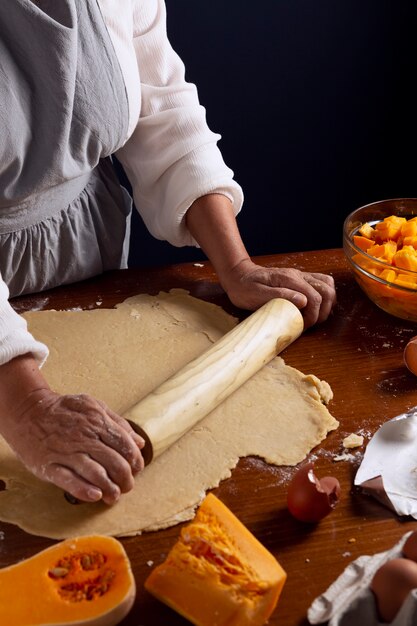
x,y
170,155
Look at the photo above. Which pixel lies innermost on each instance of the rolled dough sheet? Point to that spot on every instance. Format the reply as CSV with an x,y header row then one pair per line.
x,y
119,355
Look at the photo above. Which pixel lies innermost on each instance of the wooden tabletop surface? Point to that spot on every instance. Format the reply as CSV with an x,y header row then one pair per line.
x,y
358,351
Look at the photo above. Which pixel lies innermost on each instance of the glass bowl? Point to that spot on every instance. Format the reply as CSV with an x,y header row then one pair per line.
x,y
398,297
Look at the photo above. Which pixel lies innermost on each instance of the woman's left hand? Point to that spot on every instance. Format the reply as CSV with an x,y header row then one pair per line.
x,y
211,221
249,286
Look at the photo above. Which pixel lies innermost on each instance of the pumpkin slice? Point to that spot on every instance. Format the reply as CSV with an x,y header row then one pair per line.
x,y
85,581
218,574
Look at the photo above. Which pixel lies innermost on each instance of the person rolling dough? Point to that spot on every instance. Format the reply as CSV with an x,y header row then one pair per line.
x,y
83,81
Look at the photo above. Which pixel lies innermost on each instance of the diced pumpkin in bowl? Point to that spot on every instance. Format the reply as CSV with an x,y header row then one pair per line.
x,y
218,573
386,270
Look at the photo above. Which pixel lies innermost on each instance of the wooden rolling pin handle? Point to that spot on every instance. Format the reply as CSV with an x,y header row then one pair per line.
x,y
147,450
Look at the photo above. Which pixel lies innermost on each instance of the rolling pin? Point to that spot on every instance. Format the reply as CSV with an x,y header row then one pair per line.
x,y
179,403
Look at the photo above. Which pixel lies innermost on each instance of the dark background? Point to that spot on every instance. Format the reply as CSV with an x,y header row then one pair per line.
x,y
315,103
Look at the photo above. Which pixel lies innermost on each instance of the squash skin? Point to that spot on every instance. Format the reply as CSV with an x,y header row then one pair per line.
x,y
39,581
218,573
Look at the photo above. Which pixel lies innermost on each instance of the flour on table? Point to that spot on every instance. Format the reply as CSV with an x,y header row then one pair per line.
x,y
118,356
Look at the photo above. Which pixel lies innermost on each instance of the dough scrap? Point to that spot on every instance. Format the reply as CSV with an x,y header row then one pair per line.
x,y
119,355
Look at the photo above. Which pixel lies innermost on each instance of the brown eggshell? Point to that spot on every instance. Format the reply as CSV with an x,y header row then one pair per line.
x,y
410,355
391,584
310,499
410,547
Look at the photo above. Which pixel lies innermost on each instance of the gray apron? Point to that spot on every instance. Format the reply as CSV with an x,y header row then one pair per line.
x,y
63,112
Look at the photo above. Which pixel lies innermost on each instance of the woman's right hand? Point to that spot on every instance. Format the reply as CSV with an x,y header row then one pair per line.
x,y
73,441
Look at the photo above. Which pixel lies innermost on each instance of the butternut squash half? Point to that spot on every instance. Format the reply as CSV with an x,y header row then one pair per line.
x,y
85,581
218,574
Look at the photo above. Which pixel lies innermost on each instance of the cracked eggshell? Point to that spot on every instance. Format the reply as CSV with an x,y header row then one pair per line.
x,y
310,499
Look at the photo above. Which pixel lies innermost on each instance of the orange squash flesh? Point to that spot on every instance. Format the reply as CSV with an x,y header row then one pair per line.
x,y
85,581
392,241
218,574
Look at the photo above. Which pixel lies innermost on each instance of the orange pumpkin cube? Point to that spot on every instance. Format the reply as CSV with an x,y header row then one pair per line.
x,y
406,258
367,231
388,275
218,573
389,228
363,242
410,241
384,252
404,280
409,229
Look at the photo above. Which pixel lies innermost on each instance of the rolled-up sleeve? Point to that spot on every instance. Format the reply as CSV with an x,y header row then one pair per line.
x,y
172,157
15,339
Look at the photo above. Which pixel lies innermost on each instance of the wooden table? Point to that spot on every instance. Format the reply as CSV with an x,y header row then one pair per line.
x,y
358,351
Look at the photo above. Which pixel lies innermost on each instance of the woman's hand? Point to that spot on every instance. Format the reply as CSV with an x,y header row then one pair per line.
x,y
249,286
211,221
75,442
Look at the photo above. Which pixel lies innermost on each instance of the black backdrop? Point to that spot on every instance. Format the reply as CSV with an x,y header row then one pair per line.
x,y
315,103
